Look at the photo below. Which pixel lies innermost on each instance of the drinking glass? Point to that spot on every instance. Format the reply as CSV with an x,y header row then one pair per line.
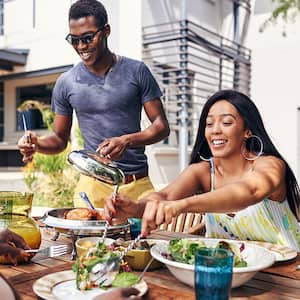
x,y
135,227
213,273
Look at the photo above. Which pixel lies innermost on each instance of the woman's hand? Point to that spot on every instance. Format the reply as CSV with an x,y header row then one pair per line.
x,y
12,246
158,212
121,207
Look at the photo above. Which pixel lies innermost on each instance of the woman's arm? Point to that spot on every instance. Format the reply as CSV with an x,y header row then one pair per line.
x,y
187,184
266,177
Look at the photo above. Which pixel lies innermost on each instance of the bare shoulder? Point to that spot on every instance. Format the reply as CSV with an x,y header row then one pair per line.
x,y
269,162
199,168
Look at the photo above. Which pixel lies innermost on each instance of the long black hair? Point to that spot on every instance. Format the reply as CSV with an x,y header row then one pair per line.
x,y
253,121
86,8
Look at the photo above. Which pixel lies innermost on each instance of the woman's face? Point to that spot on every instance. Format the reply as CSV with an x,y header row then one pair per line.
x,y
225,130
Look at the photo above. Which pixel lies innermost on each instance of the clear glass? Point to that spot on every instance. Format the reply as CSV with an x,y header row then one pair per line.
x,y
15,214
213,273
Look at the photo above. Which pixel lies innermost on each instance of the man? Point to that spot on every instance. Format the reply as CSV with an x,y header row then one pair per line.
x,y
107,92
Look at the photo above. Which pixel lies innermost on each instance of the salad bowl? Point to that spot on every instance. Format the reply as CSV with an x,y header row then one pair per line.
x,y
256,257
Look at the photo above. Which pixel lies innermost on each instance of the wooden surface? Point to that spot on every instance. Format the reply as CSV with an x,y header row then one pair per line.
x,y
281,281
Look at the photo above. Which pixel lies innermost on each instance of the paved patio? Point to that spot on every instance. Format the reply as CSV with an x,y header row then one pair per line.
x,y
12,181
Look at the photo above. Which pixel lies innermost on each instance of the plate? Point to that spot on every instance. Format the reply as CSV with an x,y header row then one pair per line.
x,y
257,257
282,253
61,285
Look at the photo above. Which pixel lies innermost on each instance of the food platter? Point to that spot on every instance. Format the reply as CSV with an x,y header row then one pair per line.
x,y
55,218
61,285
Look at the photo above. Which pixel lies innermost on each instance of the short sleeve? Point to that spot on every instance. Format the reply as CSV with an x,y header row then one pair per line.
x,y
59,101
149,88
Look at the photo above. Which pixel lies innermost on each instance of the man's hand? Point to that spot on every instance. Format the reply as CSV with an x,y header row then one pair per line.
x,y
120,294
113,148
28,149
12,246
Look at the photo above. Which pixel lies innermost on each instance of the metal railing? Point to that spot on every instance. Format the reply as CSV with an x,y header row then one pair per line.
x,y
190,63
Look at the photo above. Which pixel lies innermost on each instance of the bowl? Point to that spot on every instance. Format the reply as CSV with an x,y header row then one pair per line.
x,y
139,258
84,244
257,257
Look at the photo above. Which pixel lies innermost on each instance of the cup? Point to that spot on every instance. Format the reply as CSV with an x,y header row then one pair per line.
x,y
135,227
213,273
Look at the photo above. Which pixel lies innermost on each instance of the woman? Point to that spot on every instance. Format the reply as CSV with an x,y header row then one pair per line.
x,y
236,176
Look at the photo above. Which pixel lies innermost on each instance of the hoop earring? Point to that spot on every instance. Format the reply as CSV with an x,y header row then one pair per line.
x,y
259,153
203,158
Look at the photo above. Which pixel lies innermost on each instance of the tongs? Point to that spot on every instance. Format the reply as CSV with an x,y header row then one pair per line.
x,y
26,133
106,272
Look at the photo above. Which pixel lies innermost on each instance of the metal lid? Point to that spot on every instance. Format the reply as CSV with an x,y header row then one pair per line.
x,y
93,165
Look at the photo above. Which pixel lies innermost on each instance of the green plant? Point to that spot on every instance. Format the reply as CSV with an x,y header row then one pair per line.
x,y
286,10
49,177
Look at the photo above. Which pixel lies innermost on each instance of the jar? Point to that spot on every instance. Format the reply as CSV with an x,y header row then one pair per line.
x,y
15,215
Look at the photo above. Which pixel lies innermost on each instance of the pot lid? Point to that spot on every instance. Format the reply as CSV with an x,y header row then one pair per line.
x,y
93,165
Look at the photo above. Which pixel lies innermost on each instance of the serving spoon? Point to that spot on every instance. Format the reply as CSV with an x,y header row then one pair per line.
x,y
86,199
107,271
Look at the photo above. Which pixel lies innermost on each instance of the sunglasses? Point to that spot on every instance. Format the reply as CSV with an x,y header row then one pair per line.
x,y
86,38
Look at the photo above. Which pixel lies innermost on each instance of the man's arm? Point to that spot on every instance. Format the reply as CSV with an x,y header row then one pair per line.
x,y
158,130
53,143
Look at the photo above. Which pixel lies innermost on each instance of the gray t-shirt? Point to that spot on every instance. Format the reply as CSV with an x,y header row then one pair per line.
x,y
108,106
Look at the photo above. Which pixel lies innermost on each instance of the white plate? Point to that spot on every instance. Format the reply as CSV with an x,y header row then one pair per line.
x,y
257,258
62,286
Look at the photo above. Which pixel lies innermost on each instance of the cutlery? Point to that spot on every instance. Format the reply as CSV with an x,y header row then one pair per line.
x,y
85,198
101,270
298,268
26,134
52,251
145,269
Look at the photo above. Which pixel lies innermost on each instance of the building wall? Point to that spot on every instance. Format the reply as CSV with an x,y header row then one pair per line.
x,y
275,59
275,80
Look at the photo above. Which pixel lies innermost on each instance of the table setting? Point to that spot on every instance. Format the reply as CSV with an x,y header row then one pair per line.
x,y
76,254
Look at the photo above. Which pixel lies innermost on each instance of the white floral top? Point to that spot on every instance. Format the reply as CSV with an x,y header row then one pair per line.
x,y
268,221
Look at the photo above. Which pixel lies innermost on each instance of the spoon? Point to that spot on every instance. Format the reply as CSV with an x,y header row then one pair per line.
x,y
85,198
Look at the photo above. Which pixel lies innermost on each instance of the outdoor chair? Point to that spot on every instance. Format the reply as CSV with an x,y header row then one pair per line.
x,y
192,223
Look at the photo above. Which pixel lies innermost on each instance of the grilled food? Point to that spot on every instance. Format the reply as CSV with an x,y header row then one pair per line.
x,y
83,214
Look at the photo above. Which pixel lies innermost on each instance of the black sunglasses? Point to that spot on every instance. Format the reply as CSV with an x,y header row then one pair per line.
x,y
86,38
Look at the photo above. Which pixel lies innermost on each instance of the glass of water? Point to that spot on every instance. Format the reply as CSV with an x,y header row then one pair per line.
x,y
213,273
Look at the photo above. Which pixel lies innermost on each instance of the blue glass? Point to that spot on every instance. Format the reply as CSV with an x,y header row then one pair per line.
x,y
213,273
135,227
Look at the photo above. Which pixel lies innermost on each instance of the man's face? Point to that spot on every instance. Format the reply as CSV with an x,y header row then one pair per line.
x,y
88,40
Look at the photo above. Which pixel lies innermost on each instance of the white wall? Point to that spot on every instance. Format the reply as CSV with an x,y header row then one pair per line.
x,y
275,79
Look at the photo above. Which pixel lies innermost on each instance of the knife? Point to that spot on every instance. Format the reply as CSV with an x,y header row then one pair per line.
x,y
26,135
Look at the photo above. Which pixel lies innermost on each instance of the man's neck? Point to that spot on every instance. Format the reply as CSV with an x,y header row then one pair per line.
x,y
104,64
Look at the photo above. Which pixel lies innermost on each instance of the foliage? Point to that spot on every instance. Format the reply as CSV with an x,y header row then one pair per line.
x,y
49,177
286,10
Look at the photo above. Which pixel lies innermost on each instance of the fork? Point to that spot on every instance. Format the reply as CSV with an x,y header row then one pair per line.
x,y
52,251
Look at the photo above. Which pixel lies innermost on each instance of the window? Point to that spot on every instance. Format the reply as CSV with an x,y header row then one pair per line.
x,y
41,93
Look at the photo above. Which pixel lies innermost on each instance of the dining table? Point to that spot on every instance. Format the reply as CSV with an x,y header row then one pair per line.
x,y
280,281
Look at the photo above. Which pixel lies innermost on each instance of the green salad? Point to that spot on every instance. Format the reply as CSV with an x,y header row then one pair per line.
x,y
184,250
101,254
